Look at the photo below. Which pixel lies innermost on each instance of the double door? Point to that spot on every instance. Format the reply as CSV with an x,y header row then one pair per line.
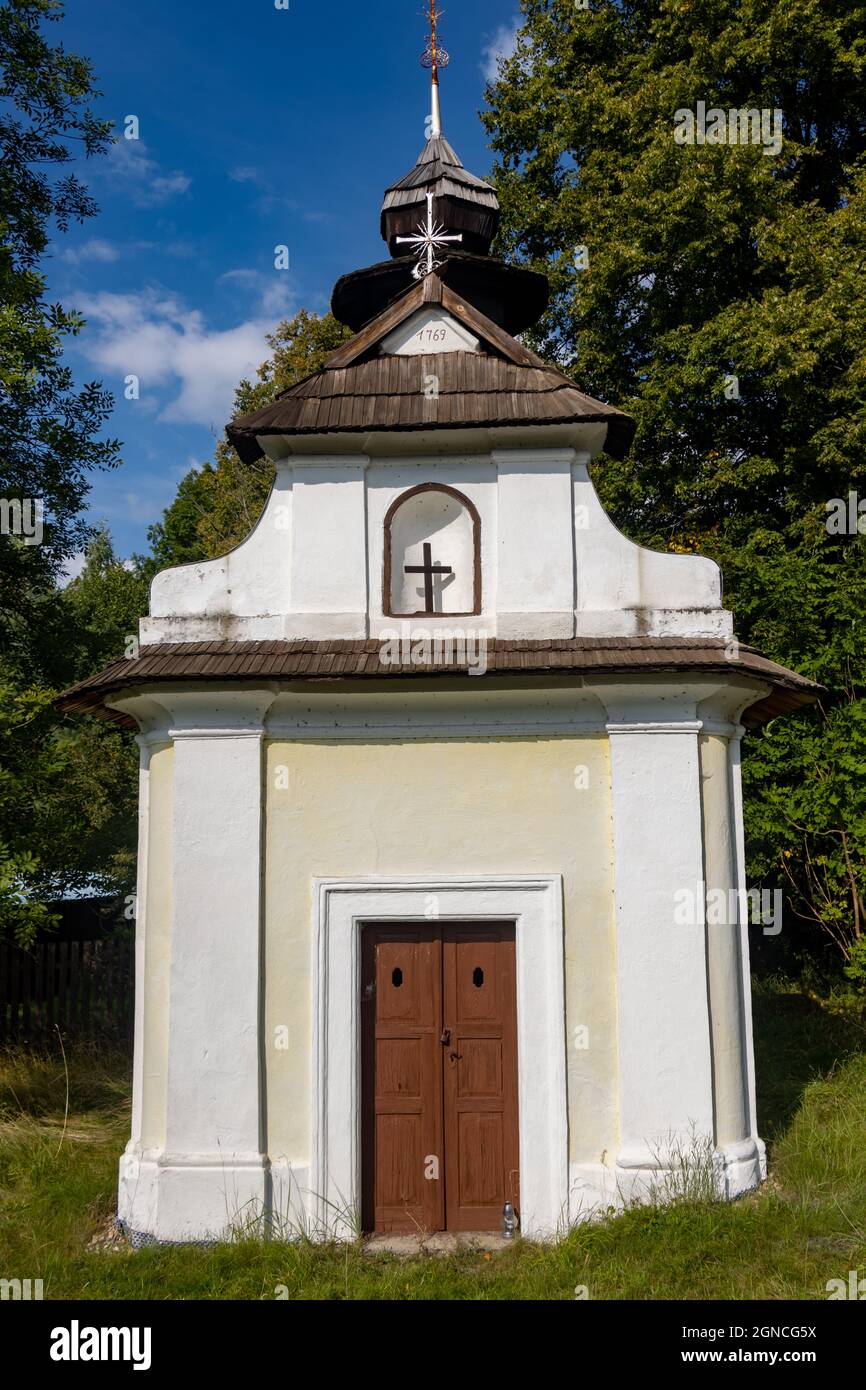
x,y
439,1077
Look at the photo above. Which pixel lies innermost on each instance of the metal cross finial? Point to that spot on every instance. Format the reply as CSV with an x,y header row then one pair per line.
x,y
434,57
427,240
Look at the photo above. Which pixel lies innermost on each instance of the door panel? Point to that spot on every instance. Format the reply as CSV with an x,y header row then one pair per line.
x,y
480,1167
439,1077
401,1007
480,1075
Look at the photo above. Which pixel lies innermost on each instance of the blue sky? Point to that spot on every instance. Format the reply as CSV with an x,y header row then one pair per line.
x,y
258,127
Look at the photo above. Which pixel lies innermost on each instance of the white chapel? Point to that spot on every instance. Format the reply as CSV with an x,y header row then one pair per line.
x,y
429,765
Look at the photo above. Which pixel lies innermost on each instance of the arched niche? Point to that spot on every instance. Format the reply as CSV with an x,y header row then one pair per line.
x,y
432,554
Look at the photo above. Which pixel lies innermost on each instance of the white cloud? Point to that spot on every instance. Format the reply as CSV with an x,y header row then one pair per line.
x,y
129,166
268,199
246,173
93,250
244,275
501,45
96,249
72,568
135,506
273,292
119,497
168,345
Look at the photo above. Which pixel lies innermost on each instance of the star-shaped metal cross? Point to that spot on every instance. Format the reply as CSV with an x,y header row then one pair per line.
x,y
427,241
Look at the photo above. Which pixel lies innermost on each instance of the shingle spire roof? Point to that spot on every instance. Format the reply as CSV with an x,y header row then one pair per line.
x,y
360,389
463,202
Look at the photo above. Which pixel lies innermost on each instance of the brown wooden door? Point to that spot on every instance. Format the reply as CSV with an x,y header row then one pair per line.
x,y
439,1077
402,1078
480,1075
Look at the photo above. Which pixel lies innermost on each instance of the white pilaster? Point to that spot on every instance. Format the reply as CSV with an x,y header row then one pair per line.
x,y
145,743
210,1177
723,944
741,1155
751,1106
535,581
665,1064
151,717
329,549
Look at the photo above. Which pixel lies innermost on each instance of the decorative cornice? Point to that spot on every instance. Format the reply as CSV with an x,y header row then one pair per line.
x,y
153,738
534,455
314,461
210,731
722,727
673,726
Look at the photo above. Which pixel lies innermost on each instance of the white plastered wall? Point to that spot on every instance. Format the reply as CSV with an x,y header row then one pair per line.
x,y
623,792
553,564
628,591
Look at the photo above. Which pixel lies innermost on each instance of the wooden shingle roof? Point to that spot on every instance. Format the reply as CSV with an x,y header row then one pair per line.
x,y
514,296
462,202
227,662
439,165
361,390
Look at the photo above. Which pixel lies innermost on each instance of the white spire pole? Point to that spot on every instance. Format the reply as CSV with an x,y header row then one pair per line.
x,y
435,109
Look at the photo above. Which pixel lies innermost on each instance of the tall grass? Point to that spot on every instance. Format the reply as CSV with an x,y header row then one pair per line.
x,y
808,1225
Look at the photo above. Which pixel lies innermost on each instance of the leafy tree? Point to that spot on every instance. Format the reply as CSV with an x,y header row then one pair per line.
x,y
217,507
68,788
103,604
720,299
48,428
175,540
49,443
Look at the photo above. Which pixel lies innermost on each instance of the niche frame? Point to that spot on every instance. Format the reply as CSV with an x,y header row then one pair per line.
x,y
392,511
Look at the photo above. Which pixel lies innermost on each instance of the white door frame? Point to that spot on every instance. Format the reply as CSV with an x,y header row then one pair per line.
x,y
341,908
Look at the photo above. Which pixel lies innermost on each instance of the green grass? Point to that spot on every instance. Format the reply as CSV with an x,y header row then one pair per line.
x,y
58,1177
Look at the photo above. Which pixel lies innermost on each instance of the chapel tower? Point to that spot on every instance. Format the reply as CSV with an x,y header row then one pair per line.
x,y
441,864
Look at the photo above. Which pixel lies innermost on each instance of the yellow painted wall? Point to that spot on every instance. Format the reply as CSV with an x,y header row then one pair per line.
x,y
455,807
157,948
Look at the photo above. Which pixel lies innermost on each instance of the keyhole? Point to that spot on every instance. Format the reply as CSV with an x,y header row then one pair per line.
x,y
478,977
397,977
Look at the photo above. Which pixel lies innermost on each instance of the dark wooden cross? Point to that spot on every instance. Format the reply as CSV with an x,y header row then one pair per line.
x,y
428,569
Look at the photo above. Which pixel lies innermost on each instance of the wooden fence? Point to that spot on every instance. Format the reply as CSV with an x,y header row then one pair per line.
x,y
85,988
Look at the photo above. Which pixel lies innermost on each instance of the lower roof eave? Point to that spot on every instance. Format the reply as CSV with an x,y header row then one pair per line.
x,y
584,436
281,665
